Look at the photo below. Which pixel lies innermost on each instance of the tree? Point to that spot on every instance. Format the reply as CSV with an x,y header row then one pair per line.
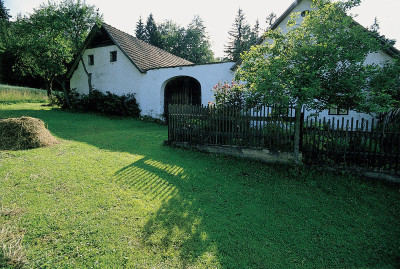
x,y
191,43
4,25
254,34
316,65
239,35
78,19
4,15
172,38
152,34
40,48
197,44
46,42
140,30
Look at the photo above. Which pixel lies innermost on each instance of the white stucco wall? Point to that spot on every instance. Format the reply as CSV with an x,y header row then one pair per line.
x,y
122,77
151,96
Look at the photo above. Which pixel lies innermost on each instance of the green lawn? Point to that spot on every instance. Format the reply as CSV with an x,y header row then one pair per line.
x,y
111,195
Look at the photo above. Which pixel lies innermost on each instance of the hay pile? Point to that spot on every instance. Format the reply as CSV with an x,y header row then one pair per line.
x,y
24,133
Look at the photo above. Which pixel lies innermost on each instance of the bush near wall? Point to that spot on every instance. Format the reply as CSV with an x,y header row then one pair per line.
x,y
108,103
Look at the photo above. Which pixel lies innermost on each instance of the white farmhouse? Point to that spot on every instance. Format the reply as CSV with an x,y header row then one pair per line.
x,y
122,64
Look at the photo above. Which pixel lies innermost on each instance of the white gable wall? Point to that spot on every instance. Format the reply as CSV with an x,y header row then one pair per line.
x,y
120,77
302,6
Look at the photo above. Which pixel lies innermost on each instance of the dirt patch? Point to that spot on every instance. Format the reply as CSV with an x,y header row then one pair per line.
x,y
24,133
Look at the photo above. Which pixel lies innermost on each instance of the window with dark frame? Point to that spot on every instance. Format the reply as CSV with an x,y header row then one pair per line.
x,y
335,110
113,56
91,59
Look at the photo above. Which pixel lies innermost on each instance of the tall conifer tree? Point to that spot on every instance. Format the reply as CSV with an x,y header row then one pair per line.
x,y
152,34
140,30
239,37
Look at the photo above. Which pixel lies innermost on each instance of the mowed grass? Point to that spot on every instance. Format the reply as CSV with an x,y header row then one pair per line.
x,y
111,195
15,94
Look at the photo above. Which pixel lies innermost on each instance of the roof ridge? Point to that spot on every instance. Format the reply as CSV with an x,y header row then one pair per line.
x,y
159,50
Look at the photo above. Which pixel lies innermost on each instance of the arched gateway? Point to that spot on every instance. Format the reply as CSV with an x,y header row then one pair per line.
x,y
182,90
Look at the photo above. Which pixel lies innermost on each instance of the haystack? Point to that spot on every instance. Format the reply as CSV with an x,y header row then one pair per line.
x,y
24,133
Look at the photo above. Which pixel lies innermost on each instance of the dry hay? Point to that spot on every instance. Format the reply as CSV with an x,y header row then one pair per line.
x,y
24,133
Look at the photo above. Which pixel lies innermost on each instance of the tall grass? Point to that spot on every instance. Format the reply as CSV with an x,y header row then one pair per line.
x,y
15,94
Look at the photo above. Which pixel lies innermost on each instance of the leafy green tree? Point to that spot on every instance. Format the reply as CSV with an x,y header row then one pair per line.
x,y
191,43
45,42
140,30
197,44
172,37
40,48
78,19
4,25
315,65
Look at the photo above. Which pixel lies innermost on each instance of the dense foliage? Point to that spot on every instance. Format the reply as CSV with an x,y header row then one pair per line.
x,y
108,103
4,23
191,42
43,44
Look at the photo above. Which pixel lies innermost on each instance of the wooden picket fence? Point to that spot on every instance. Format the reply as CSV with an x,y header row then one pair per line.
x,y
352,142
265,127
338,141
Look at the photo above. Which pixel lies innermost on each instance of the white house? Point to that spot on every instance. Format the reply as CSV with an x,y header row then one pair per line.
x,y
122,64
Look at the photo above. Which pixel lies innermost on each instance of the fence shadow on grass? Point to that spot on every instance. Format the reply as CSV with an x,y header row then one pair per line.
x,y
177,225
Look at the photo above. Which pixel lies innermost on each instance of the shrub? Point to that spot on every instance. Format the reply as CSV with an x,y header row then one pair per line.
x,y
229,94
96,101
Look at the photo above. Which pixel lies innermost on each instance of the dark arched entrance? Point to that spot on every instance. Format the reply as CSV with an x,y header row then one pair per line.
x,y
181,91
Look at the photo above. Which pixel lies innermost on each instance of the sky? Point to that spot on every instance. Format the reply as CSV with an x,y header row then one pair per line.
x,y
218,15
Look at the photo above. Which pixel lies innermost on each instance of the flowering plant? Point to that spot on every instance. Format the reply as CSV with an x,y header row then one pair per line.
x,y
229,94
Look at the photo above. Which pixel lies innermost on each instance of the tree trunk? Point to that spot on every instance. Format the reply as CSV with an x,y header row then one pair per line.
x,y
67,103
49,87
89,75
296,150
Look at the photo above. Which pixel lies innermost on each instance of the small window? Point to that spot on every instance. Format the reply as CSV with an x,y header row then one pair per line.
x,y
304,13
334,110
113,56
91,59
